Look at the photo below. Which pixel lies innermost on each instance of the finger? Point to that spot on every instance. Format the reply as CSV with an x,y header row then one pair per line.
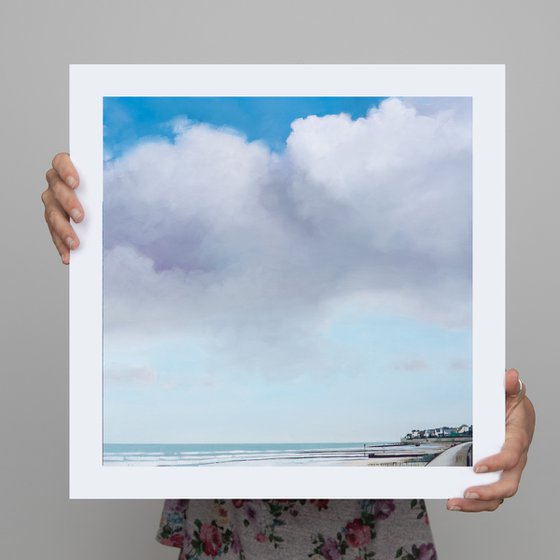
x,y
511,453
512,383
506,487
63,250
57,221
65,196
63,165
459,504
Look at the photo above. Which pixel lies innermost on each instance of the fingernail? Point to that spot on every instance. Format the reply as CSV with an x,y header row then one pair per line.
x,y
76,214
481,469
70,242
454,508
472,496
70,181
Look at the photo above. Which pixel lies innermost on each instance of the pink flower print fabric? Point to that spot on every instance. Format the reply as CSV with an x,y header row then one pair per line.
x,y
297,529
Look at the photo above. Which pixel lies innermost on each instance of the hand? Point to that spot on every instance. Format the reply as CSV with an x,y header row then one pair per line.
x,y
520,426
61,203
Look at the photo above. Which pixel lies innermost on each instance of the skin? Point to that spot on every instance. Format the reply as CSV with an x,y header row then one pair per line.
x,y
63,207
61,204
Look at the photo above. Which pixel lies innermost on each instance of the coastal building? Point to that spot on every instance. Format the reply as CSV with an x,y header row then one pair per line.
x,y
462,431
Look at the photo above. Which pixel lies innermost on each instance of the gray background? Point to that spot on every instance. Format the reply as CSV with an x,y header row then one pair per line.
x,y
37,42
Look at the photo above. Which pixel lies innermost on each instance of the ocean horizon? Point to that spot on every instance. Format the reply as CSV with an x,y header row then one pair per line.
x,y
232,454
236,454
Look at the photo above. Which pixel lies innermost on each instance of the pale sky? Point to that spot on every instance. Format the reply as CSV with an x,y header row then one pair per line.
x,y
286,269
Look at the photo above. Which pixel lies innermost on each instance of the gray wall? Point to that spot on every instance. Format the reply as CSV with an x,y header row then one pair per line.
x,y
39,39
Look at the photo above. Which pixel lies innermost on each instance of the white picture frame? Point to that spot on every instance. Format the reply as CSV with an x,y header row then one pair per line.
x,y
89,84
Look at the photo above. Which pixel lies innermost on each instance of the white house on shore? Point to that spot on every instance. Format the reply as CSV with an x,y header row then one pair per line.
x,y
443,432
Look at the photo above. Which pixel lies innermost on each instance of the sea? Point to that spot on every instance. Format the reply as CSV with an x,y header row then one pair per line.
x,y
233,454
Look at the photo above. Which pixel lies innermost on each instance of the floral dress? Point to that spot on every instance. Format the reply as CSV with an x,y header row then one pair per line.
x,y
297,529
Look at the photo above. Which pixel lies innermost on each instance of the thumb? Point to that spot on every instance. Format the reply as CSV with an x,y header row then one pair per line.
x,y
512,384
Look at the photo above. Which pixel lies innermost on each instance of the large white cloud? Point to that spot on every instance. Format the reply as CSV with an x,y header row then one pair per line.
x,y
221,238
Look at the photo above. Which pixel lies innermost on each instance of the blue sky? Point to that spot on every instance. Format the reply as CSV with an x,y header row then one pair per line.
x,y
330,300
130,120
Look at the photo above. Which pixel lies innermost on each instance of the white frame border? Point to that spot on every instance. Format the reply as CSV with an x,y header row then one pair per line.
x,y
90,83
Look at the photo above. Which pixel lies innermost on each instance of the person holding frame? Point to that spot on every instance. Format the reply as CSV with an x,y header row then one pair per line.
x,y
329,529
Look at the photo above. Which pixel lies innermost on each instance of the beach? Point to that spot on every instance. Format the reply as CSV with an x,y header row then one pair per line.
x,y
272,454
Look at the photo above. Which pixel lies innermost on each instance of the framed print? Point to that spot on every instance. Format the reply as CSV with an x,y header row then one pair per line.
x,y
291,280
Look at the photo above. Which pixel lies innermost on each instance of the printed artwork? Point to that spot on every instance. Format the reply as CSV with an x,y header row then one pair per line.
x,y
287,281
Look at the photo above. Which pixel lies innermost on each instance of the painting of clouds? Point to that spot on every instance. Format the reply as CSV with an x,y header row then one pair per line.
x,y
287,281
